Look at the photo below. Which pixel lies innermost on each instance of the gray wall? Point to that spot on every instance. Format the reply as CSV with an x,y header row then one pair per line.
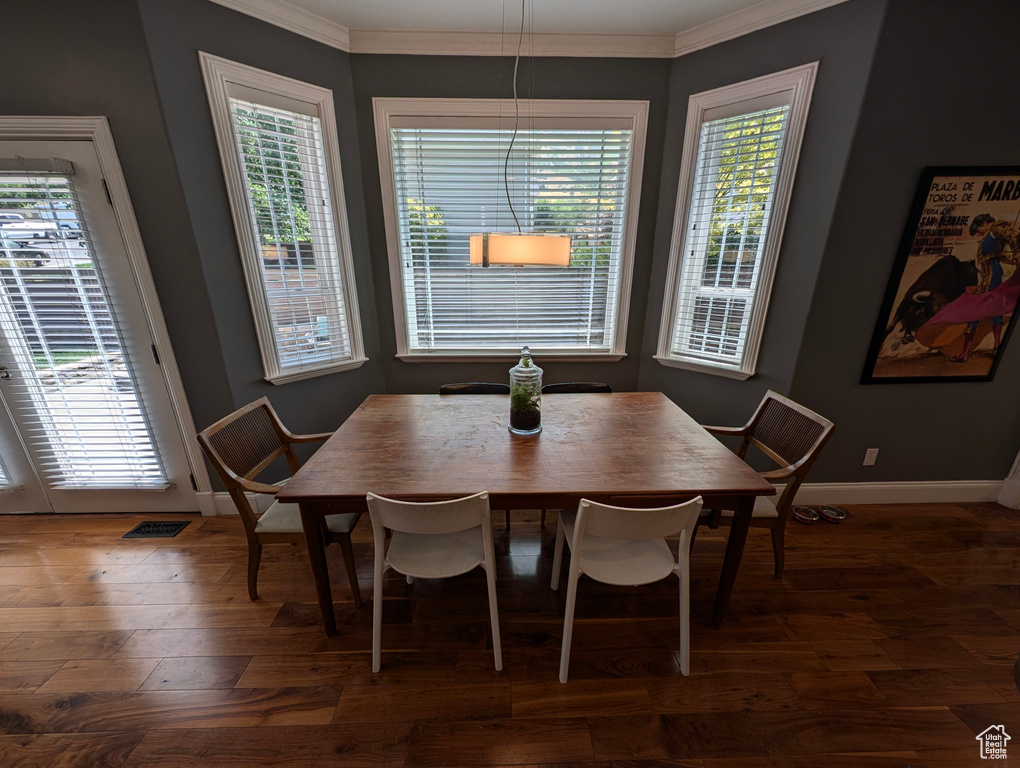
x,y
894,93
842,39
487,77
941,92
94,62
175,33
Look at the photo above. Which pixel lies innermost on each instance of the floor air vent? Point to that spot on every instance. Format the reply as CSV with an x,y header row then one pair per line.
x,y
156,530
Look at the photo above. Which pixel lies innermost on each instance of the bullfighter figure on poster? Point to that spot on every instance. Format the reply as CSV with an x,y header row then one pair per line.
x,y
956,282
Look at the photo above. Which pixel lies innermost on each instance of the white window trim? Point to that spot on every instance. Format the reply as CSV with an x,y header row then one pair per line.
x,y
799,80
390,110
218,73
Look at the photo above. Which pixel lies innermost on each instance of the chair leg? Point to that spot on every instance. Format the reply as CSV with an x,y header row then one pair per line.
x,y
377,601
254,558
497,647
685,614
568,622
779,549
507,519
543,518
352,575
554,583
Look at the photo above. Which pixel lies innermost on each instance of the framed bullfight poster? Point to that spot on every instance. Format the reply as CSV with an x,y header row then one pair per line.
x,y
948,310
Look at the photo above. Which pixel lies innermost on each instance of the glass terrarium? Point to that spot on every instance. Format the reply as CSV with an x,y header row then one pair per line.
x,y
525,396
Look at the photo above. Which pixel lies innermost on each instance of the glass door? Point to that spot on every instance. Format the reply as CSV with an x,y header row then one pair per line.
x,y
86,423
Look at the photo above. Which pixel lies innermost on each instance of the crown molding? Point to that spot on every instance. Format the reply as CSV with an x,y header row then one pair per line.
x,y
495,44
743,22
654,46
286,16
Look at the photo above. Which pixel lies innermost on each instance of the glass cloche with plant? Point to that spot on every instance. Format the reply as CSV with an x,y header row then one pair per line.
x,y
525,396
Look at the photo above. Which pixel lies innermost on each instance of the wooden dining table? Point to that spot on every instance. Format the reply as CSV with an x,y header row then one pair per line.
x,y
626,448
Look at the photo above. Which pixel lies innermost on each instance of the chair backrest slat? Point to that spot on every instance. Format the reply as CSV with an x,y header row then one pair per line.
x,y
430,517
638,524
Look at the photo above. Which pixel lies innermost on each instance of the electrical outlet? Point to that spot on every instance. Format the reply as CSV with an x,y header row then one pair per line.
x,y
870,457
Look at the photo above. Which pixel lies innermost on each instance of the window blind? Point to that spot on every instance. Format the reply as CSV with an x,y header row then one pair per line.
x,y
731,202
449,184
291,213
72,391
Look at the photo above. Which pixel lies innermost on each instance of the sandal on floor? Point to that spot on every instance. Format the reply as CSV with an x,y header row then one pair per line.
x,y
831,514
804,515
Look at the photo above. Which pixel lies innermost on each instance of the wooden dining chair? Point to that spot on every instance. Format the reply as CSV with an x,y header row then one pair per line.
x,y
480,388
790,435
432,540
575,387
474,388
240,446
626,547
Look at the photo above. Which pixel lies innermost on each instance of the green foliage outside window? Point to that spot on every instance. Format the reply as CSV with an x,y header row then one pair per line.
x,y
427,234
744,180
28,194
589,224
272,167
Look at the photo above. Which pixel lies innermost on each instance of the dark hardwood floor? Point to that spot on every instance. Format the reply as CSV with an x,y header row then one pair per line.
x,y
890,643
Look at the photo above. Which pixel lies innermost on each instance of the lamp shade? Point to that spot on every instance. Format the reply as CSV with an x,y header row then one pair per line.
x,y
520,250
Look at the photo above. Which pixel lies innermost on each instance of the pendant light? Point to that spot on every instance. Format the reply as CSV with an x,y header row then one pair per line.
x,y
518,248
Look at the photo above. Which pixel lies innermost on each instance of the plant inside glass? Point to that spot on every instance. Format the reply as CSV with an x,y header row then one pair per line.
x,y
525,396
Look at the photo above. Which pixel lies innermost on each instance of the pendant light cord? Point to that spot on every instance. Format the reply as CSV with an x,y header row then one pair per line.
x,y
517,120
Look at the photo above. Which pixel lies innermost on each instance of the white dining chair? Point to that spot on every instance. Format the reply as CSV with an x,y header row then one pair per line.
x,y
432,540
626,547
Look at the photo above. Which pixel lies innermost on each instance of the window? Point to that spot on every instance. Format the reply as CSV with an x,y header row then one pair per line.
x,y
278,144
574,168
740,155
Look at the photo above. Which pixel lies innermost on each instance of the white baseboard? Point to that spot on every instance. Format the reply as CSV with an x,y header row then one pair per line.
x,y
216,503
922,492
207,503
1009,496
220,503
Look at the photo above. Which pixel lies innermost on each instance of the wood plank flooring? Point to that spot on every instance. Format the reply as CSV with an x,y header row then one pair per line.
x,y
889,644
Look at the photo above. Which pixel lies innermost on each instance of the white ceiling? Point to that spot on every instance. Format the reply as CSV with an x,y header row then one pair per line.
x,y
644,28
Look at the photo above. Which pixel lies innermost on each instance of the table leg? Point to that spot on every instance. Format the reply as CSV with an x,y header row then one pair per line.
x,y
731,563
311,522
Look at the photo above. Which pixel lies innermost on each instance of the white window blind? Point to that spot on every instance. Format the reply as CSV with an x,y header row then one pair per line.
x,y
734,185
739,160
566,176
72,389
289,204
277,140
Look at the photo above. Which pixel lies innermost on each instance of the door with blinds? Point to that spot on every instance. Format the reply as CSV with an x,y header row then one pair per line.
x,y
86,421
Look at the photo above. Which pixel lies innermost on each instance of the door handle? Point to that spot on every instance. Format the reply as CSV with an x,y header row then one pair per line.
x,y
4,373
